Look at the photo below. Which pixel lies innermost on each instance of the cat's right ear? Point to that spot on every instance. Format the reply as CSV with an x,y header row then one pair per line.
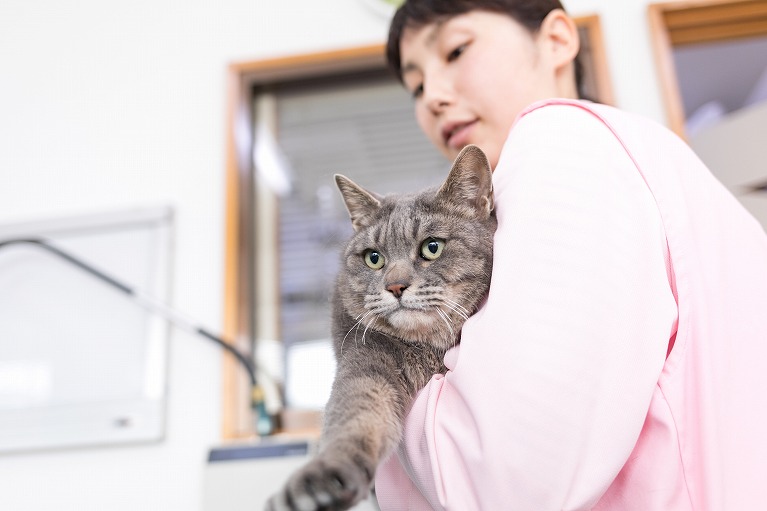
x,y
470,183
361,204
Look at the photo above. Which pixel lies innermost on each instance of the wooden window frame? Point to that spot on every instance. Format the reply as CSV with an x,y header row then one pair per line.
x,y
242,79
599,66
691,22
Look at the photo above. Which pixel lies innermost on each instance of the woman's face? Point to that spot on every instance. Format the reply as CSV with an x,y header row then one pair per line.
x,y
471,75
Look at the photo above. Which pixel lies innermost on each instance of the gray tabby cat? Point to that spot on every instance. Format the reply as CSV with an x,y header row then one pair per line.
x,y
413,271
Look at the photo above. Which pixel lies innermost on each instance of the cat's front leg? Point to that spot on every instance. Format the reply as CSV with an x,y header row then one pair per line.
x,y
335,480
363,424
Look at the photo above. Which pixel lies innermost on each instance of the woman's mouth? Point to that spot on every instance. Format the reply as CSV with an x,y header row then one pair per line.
x,y
456,135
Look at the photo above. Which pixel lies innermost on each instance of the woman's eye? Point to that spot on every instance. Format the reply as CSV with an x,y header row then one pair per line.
x,y
456,53
417,92
432,248
374,259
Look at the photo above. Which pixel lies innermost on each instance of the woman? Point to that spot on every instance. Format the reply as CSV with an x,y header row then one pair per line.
x,y
617,363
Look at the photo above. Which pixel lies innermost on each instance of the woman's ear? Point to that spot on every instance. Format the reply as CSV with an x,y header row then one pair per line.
x,y
558,37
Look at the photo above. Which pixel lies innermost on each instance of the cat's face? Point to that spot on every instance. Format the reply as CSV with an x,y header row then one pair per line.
x,y
419,265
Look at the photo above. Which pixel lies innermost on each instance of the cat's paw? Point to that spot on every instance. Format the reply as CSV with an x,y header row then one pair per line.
x,y
324,484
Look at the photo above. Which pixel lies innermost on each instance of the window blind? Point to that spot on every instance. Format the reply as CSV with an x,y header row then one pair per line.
x,y
362,127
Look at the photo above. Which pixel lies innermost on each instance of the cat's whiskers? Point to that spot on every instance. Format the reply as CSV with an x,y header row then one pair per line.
x,y
366,329
356,325
431,290
444,317
457,307
372,300
380,304
434,297
426,297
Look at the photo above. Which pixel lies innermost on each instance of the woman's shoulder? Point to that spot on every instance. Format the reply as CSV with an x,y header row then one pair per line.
x,y
562,122
577,112
555,140
563,111
562,117
590,123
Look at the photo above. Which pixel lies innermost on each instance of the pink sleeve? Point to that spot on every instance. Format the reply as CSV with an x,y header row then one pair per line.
x,y
546,396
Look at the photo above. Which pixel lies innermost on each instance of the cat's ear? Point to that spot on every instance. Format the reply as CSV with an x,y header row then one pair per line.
x,y
361,204
470,181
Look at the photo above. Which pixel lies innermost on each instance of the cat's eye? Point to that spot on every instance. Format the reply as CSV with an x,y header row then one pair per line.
x,y
374,259
432,248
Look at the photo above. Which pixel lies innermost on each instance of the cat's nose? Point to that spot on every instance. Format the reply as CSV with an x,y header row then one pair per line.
x,y
396,289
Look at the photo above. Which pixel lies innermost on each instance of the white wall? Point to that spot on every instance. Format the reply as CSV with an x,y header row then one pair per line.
x,y
109,105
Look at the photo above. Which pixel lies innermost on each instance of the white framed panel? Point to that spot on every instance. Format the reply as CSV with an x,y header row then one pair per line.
x,y
81,364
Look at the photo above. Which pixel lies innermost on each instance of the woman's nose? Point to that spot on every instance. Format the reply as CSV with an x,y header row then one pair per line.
x,y
437,105
437,96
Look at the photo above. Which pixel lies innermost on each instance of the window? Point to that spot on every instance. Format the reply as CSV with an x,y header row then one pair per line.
x,y
731,34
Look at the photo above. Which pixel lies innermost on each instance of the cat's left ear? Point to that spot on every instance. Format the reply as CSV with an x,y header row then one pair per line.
x,y
470,181
361,204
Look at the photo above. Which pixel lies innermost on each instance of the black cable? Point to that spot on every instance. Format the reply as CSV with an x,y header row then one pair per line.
x,y
73,260
243,360
264,423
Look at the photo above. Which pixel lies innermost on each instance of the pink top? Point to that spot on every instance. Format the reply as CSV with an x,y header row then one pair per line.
x,y
620,361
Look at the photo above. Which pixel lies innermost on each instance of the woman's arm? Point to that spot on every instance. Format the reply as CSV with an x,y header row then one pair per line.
x,y
548,392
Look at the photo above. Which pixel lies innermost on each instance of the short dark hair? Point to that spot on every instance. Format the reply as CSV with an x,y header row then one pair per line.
x,y
417,13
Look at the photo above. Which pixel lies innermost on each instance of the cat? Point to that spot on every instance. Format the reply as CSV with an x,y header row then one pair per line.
x,y
416,267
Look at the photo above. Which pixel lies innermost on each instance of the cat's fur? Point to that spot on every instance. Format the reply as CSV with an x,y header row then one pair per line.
x,y
392,325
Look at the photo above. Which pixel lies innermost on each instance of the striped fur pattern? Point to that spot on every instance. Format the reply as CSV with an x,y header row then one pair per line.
x,y
416,267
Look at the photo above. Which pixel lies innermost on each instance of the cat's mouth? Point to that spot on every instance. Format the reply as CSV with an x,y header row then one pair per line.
x,y
411,319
